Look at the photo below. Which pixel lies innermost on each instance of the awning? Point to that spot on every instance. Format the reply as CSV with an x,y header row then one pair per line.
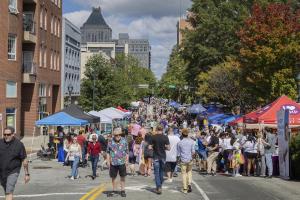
x,y
61,119
77,112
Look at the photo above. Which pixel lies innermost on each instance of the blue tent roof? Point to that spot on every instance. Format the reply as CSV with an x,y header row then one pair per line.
x,y
61,119
196,109
174,104
215,116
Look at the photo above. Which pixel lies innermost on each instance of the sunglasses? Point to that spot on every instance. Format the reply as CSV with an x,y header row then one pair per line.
x,y
7,135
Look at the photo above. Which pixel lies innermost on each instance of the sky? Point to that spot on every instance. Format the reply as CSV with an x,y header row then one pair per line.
x,y
154,20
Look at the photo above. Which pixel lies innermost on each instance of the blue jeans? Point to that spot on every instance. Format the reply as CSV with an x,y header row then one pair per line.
x,y
269,163
94,161
74,165
159,166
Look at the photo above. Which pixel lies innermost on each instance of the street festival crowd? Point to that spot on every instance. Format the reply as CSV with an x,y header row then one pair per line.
x,y
160,142
165,142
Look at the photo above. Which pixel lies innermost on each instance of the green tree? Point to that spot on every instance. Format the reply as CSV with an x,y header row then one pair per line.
x,y
176,75
270,50
115,82
222,84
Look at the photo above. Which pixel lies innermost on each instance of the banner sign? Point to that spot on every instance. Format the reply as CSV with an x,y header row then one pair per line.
x,y
283,143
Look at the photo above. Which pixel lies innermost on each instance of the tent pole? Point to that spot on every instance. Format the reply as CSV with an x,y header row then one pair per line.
x,y
33,134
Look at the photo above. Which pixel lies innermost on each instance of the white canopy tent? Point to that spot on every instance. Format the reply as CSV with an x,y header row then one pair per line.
x,y
113,113
103,118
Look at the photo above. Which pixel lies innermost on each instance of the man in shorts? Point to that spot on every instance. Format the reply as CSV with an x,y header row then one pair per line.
x,y
117,159
12,157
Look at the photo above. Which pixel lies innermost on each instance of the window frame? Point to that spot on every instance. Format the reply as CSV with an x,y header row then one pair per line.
x,y
15,92
14,46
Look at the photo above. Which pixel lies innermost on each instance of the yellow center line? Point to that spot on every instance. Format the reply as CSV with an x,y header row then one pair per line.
x,y
98,193
91,192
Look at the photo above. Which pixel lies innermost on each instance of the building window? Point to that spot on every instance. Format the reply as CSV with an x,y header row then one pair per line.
x,y
45,19
12,43
58,28
57,61
44,58
42,90
58,3
11,117
41,17
49,90
51,60
11,89
52,22
54,31
12,6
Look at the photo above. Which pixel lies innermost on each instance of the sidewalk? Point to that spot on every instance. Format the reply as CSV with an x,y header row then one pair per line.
x,y
33,144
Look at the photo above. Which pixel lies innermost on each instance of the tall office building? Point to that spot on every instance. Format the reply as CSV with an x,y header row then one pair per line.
x,y
70,65
95,29
30,45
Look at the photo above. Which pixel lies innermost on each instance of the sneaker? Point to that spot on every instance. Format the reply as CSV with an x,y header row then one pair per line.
x,y
72,178
77,177
184,191
213,174
123,194
110,194
238,175
158,191
226,172
93,177
169,181
189,189
175,175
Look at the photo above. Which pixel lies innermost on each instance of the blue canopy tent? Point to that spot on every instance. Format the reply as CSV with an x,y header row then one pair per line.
x,y
196,109
61,119
218,119
174,104
229,119
213,117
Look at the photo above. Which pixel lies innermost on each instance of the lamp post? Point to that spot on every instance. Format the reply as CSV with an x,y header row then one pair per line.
x,y
94,91
298,81
70,90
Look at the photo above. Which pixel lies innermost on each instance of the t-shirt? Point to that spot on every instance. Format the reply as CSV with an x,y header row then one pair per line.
x,y
117,151
158,143
171,155
213,142
11,156
81,140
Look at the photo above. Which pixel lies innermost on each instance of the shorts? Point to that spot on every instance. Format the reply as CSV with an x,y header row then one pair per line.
x,y
114,170
202,155
170,166
9,183
251,155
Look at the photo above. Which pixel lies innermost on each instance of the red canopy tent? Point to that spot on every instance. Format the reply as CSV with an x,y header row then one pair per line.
x,y
122,109
268,114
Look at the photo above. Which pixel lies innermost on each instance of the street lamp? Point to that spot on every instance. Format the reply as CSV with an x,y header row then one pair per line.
x,y
70,90
298,81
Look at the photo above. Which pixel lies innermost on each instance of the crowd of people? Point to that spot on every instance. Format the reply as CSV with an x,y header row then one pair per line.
x,y
164,142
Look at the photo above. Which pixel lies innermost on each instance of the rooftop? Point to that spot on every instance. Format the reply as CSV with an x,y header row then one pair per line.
x,y
96,18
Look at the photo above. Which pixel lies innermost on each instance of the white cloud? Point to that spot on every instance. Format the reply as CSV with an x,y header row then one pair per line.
x,y
135,8
150,19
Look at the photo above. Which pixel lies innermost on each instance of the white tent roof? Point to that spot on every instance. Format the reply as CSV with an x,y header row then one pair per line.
x,y
103,118
113,113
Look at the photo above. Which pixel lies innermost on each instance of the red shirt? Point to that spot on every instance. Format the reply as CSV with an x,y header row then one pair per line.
x,y
94,149
81,139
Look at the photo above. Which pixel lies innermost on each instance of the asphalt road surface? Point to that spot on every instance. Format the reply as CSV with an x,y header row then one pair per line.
x,y
49,181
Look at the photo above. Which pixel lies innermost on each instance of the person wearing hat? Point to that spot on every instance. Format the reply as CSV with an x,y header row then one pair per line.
x,y
185,152
117,159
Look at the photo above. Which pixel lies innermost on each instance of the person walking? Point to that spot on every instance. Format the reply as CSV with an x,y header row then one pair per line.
x,y
185,152
213,148
117,159
171,156
94,151
269,150
159,143
148,154
12,157
74,156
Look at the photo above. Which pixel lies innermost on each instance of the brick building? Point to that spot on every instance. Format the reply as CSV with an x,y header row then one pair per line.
x,y
30,47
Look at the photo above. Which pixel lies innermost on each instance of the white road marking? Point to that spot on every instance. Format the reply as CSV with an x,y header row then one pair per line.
x,y
45,195
205,197
143,188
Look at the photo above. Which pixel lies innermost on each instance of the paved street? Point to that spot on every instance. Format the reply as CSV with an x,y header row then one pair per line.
x,y
49,182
